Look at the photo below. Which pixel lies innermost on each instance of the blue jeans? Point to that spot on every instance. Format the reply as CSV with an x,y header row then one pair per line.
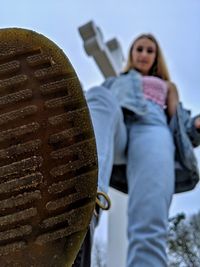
x,y
146,145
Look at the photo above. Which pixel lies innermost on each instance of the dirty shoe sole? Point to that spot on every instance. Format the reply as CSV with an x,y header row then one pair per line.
x,y
48,162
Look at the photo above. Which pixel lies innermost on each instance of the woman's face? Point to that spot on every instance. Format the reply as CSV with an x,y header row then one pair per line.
x,y
143,55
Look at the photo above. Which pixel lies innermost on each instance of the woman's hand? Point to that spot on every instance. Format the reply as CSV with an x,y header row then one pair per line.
x,y
197,124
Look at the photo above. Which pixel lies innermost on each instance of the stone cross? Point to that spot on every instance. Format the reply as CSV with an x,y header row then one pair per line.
x,y
107,55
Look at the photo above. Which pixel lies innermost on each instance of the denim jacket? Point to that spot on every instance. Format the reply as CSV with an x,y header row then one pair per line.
x,y
181,124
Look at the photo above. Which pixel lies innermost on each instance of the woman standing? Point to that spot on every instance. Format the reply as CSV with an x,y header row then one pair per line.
x,y
131,126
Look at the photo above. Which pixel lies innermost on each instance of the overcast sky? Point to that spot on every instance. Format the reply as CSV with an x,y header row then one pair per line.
x,y
175,23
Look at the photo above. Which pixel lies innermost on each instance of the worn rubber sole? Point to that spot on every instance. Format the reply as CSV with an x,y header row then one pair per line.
x,y
48,160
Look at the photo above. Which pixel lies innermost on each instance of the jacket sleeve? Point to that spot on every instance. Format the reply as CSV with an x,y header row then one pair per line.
x,y
188,122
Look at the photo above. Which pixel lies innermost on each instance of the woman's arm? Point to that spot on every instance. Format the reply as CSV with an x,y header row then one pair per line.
x,y
172,99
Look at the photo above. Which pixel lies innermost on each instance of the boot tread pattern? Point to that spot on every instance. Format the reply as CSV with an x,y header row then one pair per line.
x,y
48,164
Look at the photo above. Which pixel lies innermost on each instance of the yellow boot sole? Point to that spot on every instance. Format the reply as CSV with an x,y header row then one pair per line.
x,y
48,160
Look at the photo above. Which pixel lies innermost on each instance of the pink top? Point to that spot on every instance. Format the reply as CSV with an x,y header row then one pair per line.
x,y
155,89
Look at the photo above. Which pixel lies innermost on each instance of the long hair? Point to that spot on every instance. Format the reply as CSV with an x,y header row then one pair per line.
x,y
159,68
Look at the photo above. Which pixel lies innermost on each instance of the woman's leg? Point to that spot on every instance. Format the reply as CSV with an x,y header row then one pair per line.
x,y
111,139
150,173
110,132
